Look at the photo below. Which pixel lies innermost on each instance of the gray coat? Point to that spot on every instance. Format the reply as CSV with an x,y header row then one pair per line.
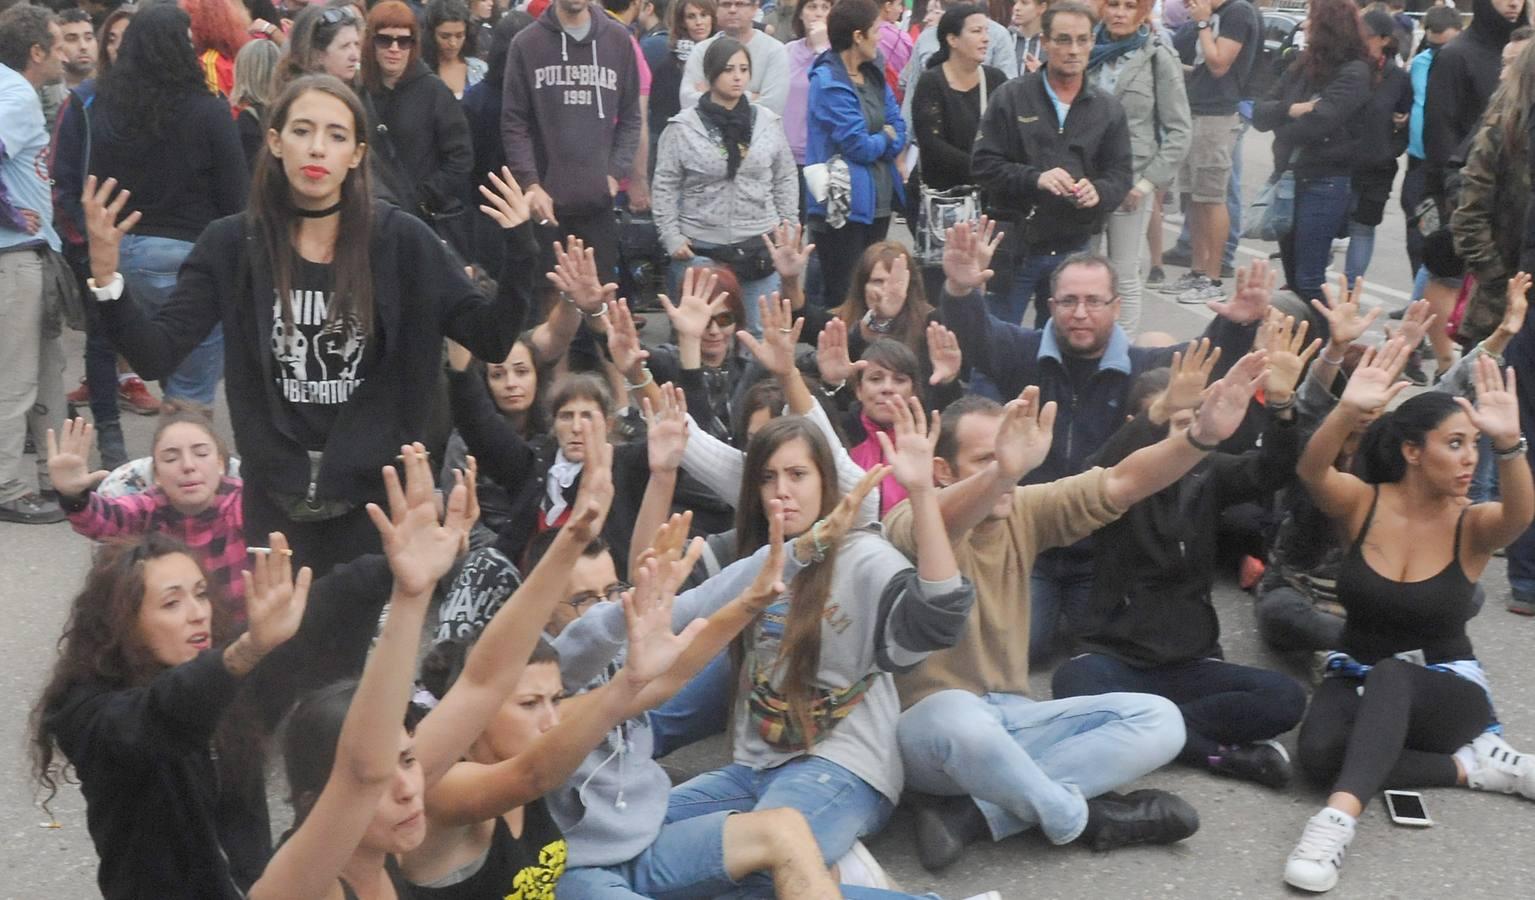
x,y
1150,88
692,200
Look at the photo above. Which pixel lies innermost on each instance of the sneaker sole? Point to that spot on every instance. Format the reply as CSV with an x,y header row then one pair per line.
x,y
1318,887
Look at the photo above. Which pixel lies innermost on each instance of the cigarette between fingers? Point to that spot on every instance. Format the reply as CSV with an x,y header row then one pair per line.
x,y
283,552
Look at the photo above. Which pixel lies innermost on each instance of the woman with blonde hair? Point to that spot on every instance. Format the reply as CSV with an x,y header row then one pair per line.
x,y
255,86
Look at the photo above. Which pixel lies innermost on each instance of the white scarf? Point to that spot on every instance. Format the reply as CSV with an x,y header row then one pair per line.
x,y
562,474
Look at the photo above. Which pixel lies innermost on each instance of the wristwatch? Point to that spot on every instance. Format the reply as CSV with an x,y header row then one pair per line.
x,y
1201,26
1514,452
112,290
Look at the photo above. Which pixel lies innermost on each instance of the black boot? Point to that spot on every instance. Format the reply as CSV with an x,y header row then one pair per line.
x,y
945,828
1141,817
109,443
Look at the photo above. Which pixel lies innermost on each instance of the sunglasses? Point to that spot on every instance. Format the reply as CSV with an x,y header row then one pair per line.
x,y
385,41
337,14
724,321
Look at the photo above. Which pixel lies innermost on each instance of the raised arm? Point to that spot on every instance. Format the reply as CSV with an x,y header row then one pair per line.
x,y
368,750
911,462
582,296
1496,414
489,327
666,440
1023,442
1336,493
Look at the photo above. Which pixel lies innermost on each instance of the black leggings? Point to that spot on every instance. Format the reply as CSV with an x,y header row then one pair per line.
x,y
320,545
1399,733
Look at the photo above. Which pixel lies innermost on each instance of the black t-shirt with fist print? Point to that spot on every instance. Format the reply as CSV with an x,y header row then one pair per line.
x,y
320,361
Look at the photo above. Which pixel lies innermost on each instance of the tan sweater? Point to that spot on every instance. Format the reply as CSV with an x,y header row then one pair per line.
x,y
997,556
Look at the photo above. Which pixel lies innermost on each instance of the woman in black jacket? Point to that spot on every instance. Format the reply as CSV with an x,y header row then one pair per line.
x,y
419,126
156,129
347,359
1313,112
1383,138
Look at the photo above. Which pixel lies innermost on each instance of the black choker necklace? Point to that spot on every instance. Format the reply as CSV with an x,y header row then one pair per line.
x,y
318,213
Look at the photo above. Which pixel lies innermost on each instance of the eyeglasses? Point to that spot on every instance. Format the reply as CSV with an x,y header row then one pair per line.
x,y
1066,40
611,593
724,321
385,41
1069,304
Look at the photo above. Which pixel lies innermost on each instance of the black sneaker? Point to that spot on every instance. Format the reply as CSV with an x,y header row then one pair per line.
x,y
945,828
31,509
1265,762
1413,371
1155,277
1178,257
1228,271
1141,817
1397,314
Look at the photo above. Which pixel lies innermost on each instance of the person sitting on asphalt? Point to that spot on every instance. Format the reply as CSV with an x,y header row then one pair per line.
x,y
970,732
1152,626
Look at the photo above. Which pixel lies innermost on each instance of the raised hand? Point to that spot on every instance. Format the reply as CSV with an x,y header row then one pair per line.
x,y
834,528
672,537
624,340
911,454
1374,384
1250,301
1496,413
944,354
1415,323
1028,429
1190,374
1285,341
1518,304
575,275
595,495
831,355
507,205
780,332
420,549
790,253
653,647
666,432
274,600
68,454
698,303
1225,404
1342,310
967,251
768,586
105,225
890,299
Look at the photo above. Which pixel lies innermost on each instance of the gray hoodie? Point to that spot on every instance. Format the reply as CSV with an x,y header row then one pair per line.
x,y
693,200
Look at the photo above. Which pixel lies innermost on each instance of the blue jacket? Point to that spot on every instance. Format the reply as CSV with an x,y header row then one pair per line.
x,y
836,126
1014,357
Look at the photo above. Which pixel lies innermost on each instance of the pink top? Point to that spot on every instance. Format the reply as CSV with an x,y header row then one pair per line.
x,y
794,109
870,454
895,46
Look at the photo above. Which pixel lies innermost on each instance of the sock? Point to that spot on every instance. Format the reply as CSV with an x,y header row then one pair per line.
x,y
1467,759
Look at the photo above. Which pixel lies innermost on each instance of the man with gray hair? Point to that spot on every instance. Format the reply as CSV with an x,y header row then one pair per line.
x,y
31,360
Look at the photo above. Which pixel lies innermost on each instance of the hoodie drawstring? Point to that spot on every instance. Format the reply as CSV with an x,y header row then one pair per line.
x,y
597,78
564,55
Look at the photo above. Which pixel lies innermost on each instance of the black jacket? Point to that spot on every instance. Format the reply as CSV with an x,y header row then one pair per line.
x,y
1464,74
1325,141
421,295
1381,140
1150,602
1020,139
428,142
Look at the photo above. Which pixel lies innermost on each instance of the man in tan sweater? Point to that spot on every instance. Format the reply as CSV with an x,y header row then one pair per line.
x,y
969,732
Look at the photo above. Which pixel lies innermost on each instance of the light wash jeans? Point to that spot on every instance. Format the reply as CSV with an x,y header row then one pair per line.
x,y
149,266
750,291
1027,762
31,371
1126,241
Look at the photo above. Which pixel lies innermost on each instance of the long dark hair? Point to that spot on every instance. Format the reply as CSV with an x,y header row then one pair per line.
x,y
799,652
1334,38
156,69
1380,459
274,221
101,644
910,325
441,12
103,59
952,24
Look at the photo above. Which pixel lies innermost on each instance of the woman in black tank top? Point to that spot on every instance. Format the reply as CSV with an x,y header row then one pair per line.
x,y
1405,703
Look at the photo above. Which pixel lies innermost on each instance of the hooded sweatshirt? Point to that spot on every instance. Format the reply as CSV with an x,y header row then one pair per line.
x,y
1462,79
570,113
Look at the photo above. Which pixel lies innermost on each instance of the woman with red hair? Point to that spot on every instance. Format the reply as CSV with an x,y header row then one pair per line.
x,y
219,29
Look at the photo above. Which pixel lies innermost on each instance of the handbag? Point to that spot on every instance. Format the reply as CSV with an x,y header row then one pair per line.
x,y
940,211
750,260
1272,214
63,301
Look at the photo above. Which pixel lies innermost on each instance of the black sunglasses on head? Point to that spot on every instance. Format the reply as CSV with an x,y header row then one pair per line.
x,y
385,41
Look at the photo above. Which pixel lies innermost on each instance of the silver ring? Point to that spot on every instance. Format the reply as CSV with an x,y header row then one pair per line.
x,y
787,330
543,221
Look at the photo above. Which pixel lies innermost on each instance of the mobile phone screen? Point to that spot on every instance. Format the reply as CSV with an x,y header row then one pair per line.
x,y
1406,806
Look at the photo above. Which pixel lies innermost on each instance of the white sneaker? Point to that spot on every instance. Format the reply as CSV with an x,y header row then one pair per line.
x,y
1315,862
1180,284
989,895
859,868
1501,768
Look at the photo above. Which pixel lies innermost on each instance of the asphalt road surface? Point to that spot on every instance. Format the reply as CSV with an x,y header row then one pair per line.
x,y
1477,848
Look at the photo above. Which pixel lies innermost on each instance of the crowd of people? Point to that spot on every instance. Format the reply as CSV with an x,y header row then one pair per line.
x,y
838,497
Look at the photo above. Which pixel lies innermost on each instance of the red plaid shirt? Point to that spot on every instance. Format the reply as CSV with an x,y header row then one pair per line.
x,y
216,535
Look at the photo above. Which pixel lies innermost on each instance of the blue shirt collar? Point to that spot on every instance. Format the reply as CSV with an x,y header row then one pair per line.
x,y
1115,356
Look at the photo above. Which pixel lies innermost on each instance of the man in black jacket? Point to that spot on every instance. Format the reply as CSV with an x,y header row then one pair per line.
x,y
1053,152
1462,79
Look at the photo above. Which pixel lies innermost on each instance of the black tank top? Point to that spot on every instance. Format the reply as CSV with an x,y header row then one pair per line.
x,y
1387,617
517,868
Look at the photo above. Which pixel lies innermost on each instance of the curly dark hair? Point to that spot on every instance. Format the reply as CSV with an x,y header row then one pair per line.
x,y
1334,38
156,69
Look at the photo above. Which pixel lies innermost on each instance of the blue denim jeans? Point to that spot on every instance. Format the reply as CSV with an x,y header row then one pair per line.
x,y
1484,481
1321,207
840,806
1060,588
1222,703
701,709
1521,563
149,266
1031,284
1028,763
750,290
1361,249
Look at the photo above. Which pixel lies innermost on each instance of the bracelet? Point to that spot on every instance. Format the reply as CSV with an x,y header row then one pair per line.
x,y
818,547
650,378
602,310
1322,357
1514,452
830,389
1202,448
1281,407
